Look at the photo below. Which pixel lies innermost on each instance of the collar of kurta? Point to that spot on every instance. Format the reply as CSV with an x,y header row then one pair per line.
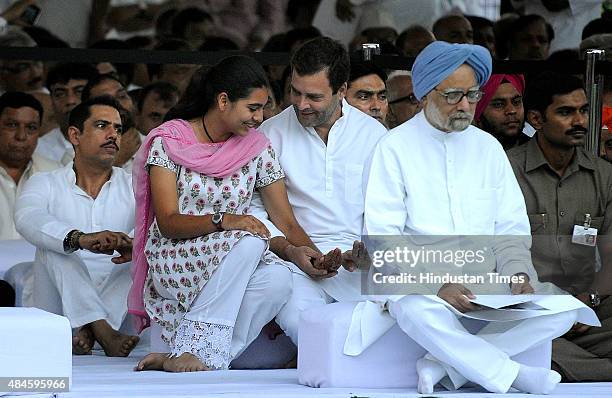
x,y
435,132
345,108
535,158
71,176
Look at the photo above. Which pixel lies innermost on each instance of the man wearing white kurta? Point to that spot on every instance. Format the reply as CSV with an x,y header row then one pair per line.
x,y
20,118
86,286
438,175
323,144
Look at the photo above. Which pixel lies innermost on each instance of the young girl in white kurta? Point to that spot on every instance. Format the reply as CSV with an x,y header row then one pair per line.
x,y
210,280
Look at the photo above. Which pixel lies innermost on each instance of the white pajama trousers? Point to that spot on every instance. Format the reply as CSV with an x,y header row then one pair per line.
x,y
483,358
63,285
307,294
241,297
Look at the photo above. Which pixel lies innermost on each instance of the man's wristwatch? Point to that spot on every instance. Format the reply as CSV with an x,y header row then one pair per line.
x,y
217,220
71,241
594,299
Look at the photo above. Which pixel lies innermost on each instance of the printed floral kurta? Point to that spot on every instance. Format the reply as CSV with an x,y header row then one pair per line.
x,y
179,268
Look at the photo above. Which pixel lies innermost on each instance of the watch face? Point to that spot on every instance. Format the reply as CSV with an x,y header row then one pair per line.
x,y
216,218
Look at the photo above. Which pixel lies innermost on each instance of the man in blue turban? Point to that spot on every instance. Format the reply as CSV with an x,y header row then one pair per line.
x,y
436,174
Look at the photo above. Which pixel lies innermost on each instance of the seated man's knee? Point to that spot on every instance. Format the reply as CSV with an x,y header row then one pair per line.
x,y
280,282
416,307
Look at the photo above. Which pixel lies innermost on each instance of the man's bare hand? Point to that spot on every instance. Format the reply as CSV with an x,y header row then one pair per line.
x,y
458,296
330,261
522,287
305,257
105,242
357,258
125,253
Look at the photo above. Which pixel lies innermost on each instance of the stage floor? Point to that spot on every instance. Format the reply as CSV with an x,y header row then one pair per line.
x,y
99,377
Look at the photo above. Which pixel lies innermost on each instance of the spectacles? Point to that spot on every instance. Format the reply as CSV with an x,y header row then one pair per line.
x,y
454,97
410,98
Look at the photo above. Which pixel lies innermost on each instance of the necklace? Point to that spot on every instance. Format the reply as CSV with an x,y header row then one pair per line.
x,y
206,131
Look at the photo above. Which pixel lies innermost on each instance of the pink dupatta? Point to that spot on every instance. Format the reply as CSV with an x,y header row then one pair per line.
x,y
183,148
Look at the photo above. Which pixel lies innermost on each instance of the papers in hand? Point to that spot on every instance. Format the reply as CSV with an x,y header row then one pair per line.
x,y
506,308
507,302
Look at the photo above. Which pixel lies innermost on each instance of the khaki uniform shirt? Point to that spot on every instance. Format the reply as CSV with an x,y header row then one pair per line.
x,y
555,204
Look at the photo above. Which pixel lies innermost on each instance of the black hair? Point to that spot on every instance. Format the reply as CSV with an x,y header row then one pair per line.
x,y
596,27
478,22
167,45
163,22
218,43
124,70
187,16
365,68
439,24
524,21
94,81
563,56
64,72
82,111
18,99
323,54
236,75
543,87
297,35
165,91
405,34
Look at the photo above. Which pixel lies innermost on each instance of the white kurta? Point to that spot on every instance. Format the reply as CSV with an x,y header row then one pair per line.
x,y
55,146
9,192
50,206
424,181
324,182
324,186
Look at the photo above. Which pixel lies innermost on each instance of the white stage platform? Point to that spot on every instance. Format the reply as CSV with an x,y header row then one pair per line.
x,y
100,377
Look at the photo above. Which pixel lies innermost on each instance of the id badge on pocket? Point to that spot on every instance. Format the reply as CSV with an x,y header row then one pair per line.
x,y
584,235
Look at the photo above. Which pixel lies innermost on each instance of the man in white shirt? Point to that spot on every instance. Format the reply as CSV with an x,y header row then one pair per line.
x,y
438,175
323,144
76,217
367,91
20,120
65,83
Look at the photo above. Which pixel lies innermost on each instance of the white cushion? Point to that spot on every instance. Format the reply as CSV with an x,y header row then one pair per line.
x,y
13,252
388,363
34,343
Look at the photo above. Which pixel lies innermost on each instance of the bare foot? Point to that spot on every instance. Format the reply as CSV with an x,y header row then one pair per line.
x,y
153,361
186,362
83,341
114,343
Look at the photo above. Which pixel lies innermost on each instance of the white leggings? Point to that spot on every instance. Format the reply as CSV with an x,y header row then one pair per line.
x,y
241,297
